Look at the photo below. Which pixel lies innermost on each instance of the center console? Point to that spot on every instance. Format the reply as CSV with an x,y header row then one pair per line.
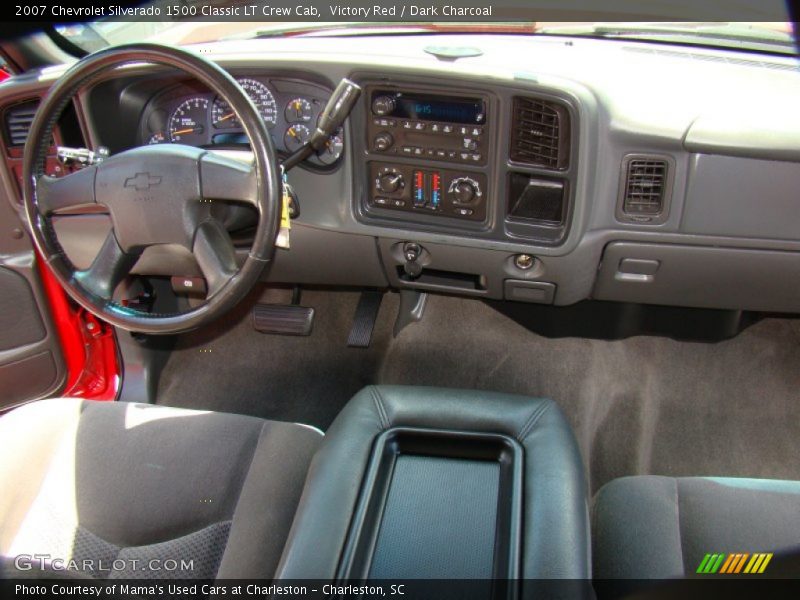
x,y
442,484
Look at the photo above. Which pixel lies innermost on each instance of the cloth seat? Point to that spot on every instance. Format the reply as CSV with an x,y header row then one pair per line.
x,y
145,486
662,527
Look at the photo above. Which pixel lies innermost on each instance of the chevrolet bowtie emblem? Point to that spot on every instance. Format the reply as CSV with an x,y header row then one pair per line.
x,y
142,181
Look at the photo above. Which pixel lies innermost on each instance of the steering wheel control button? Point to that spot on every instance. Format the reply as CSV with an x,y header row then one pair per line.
x,y
189,285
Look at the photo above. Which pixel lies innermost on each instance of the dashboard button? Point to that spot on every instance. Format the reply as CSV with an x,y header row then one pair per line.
x,y
447,128
441,153
464,212
408,150
381,201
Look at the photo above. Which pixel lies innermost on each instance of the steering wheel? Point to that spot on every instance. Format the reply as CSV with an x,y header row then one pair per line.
x,y
155,195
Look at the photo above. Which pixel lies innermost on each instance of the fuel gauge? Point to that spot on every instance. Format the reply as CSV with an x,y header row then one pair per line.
x,y
295,137
299,109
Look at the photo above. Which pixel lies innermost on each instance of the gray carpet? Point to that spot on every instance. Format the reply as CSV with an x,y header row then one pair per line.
x,y
641,405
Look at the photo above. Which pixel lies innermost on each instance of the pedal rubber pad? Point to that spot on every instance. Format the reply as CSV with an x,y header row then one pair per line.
x,y
283,319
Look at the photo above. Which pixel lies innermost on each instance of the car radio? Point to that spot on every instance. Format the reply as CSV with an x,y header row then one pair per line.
x,y
444,128
442,140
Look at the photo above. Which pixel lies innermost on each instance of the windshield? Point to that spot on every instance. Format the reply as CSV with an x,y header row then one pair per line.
x,y
752,36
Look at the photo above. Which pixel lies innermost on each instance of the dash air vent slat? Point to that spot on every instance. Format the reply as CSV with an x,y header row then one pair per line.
x,y
540,133
18,122
645,188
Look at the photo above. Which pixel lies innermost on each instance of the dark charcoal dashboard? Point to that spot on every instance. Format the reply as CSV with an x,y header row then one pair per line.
x,y
539,171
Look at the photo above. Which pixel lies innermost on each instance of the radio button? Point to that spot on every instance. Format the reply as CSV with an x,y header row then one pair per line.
x,y
407,124
441,153
451,154
419,125
408,150
383,105
447,128
381,201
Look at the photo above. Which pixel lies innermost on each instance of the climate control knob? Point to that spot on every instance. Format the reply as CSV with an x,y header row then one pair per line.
x,y
389,182
383,105
464,190
383,141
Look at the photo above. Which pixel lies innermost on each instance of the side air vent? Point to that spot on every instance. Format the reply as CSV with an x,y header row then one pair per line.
x,y
646,186
18,122
540,133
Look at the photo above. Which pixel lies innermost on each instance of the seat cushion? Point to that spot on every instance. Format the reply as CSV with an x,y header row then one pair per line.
x,y
662,527
555,536
111,480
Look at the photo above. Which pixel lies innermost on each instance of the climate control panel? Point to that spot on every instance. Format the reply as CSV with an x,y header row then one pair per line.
x,y
428,190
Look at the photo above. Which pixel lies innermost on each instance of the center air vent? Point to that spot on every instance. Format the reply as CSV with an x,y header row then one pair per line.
x,y
645,188
18,122
540,133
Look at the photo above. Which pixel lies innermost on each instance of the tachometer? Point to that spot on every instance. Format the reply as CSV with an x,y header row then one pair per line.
x,y
223,118
187,124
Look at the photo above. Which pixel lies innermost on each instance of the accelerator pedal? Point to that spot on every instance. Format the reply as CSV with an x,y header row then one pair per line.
x,y
364,320
284,319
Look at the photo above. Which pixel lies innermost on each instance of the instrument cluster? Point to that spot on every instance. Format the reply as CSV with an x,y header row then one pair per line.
x,y
289,109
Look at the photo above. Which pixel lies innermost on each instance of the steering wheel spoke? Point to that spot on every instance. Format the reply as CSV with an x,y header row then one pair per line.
x,y
57,193
215,254
108,269
229,175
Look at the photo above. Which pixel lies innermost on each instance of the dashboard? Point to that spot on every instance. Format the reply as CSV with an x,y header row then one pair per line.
x,y
536,171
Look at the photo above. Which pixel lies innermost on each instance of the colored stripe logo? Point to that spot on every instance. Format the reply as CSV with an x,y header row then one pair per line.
x,y
735,563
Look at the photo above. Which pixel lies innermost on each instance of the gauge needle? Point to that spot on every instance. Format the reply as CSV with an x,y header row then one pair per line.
x,y
292,133
182,131
225,118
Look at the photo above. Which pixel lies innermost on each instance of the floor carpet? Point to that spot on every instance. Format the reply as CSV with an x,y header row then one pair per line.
x,y
640,405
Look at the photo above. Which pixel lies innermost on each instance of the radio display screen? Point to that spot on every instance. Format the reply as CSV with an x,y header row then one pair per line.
x,y
440,108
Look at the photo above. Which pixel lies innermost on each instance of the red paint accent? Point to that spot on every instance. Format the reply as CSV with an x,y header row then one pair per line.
x,y
88,344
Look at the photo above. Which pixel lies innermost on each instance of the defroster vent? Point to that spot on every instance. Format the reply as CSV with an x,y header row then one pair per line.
x,y
18,122
540,133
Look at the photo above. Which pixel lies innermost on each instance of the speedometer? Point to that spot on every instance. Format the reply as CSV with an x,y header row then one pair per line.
x,y
223,117
187,124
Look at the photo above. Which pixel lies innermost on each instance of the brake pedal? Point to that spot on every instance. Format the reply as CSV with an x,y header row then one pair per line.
x,y
364,320
283,319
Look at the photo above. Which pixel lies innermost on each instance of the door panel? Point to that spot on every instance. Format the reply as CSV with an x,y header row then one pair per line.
x,y
31,362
